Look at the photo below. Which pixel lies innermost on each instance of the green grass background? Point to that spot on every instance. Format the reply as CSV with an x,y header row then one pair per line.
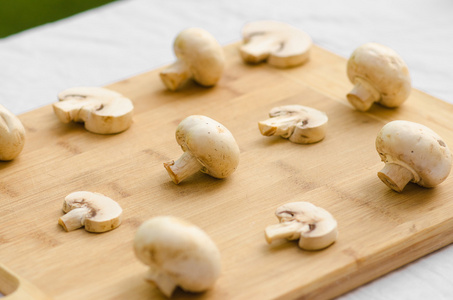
x,y
19,15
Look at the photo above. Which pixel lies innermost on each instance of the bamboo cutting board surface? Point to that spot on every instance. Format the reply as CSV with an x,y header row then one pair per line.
x,y
380,230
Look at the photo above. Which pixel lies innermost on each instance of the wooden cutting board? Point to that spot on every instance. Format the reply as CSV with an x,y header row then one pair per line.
x,y
380,230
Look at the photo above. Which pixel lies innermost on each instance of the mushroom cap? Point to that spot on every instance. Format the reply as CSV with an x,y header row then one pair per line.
x,y
180,250
301,124
101,214
417,148
102,110
281,44
319,227
12,135
211,143
202,54
383,69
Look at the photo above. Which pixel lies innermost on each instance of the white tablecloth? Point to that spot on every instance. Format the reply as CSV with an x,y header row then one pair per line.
x,y
126,38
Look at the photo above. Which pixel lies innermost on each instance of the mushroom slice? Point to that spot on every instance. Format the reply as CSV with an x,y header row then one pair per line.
x,y
281,44
102,110
379,75
178,253
208,147
12,135
300,124
313,226
412,152
199,56
95,211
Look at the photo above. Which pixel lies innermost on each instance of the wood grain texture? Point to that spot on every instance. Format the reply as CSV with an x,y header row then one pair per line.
x,y
13,287
380,230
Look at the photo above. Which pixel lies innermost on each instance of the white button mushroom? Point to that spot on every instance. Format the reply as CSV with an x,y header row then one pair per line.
x,y
301,124
412,152
379,75
199,56
178,253
95,211
313,226
12,135
280,44
102,110
208,147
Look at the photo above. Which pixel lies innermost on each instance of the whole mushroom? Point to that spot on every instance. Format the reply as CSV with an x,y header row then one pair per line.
x,y
278,43
412,153
313,226
300,124
199,56
208,147
379,75
94,211
12,135
178,253
102,110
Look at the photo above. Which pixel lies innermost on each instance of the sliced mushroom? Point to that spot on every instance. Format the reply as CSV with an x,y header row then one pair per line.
x,y
313,226
379,75
300,124
12,135
178,253
102,110
280,44
94,211
208,147
412,153
199,56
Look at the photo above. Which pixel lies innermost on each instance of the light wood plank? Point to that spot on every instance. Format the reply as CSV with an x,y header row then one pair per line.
x,y
380,230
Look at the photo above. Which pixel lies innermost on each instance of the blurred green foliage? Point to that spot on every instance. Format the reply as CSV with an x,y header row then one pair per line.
x,y
19,15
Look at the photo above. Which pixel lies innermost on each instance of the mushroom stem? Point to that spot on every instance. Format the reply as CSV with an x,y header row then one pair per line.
x,y
258,50
185,166
74,219
395,176
281,125
363,95
175,75
165,283
285,230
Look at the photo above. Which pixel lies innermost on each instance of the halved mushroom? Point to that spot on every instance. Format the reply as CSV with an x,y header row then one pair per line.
x,y
199,56
12,135
412,153
300,124
280,44
315,227
379,75
94,211
208,147
178,253
102,110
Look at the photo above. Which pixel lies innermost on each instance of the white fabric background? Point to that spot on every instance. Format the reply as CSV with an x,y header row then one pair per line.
x,y
126,38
